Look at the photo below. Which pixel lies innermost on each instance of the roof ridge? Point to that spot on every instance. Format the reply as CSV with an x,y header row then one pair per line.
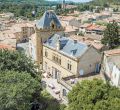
x,y
44,16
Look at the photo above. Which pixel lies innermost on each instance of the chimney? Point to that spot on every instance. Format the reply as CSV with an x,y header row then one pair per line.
x,y
58,45
83,39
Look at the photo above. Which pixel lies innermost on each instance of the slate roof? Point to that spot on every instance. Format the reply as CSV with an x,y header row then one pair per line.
x,y
68,46
46,19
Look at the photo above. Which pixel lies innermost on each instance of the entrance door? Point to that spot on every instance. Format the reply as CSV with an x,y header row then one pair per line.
x,y
97,70
81,72
56,74
53,72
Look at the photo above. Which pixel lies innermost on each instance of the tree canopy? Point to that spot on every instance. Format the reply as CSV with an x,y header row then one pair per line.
x,y
13,60
20,87
111,35
16,90
94,95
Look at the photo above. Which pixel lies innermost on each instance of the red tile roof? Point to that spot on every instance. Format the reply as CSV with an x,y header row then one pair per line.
x,y
112,52
4,46
96,27
92,27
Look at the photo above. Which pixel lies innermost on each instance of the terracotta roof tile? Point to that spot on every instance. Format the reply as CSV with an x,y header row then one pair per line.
x,y
4,46
112,52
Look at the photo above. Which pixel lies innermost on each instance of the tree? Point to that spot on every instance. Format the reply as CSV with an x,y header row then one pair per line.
x,y
94,95
16,90
52,104
58,6
111,35
13,60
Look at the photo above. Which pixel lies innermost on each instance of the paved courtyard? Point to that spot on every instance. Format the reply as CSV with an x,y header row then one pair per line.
x,y
51,91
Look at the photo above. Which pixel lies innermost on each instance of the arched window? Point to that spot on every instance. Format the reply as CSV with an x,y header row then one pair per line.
x,y
53,26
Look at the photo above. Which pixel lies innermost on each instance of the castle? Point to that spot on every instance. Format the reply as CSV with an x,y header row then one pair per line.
x,y
61,58
48,25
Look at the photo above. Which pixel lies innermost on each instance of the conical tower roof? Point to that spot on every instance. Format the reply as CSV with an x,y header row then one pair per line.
x,y
46,19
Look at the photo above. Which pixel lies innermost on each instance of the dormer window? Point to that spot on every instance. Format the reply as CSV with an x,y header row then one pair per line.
x,y
52,24
73,52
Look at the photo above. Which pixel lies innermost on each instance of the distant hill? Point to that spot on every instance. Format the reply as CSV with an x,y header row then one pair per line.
x,y
101,2
25,1
33,1
95,2
21,1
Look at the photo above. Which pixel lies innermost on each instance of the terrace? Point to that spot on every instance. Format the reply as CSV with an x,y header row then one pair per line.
x,y
70,81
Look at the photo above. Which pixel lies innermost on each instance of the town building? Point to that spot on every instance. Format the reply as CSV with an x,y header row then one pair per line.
x,y
23,31
95,29
67,58
84,27
95,41
111,66
69,23
8,38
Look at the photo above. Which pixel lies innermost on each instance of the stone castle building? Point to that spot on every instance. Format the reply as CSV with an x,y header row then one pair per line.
x,y
48,25
62,59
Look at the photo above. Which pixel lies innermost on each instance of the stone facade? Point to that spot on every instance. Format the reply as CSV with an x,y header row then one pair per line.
x,y
85,64
61,66
111,66
41,36
89,61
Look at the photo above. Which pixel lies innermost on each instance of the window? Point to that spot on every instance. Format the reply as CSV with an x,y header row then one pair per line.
x,y
46,66
53,58
59,61
46,53
69,66
56,58
64,92
41,39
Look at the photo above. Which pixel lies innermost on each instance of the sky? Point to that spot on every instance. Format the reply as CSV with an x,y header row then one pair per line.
x,y
73,0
